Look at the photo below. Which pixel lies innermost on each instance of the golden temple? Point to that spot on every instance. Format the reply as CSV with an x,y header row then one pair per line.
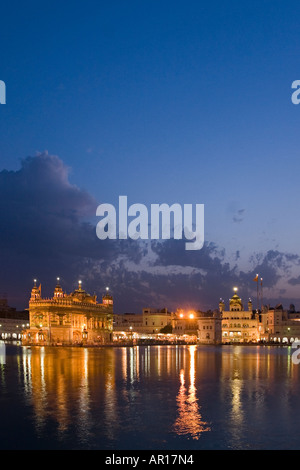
x,y
68,319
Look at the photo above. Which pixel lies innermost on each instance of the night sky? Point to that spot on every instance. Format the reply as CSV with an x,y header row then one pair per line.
x,y
166,102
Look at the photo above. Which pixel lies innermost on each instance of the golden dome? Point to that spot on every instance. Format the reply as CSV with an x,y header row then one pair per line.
x,y
235,299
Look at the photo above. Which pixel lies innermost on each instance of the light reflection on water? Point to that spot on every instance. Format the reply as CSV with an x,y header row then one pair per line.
x,y
158,397
189,421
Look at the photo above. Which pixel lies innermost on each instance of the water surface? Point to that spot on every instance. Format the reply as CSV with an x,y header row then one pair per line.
x,y
149,397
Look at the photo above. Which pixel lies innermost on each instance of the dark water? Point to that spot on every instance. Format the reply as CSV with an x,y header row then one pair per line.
x,y
150,397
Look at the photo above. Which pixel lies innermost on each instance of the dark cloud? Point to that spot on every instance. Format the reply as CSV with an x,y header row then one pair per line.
x,y
274,265
238,216
44,226
294,281
41,210
46,230
45,216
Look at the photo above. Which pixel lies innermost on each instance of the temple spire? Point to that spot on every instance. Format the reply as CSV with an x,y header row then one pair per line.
x,y
35,291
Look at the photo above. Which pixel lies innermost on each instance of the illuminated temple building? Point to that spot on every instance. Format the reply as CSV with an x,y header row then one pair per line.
x,y
274,325
238,324
78,319
69,319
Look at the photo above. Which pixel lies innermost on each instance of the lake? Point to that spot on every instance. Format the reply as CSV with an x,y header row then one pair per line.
x,y
149,397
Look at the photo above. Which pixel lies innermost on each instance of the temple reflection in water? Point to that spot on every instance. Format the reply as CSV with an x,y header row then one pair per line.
x,y
67,384
108,394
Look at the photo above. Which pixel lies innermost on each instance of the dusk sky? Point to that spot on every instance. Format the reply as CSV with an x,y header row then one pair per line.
x,y
165,102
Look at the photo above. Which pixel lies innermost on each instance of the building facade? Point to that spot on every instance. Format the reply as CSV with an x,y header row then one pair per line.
x,y
128,321
279,325
12,322
221,326
68,319
154,320
185,323
239,325
210,328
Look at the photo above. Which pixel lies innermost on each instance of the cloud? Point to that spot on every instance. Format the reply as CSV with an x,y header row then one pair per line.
x,y
46,230
44,226
275,265
294,281
44,215
238,216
